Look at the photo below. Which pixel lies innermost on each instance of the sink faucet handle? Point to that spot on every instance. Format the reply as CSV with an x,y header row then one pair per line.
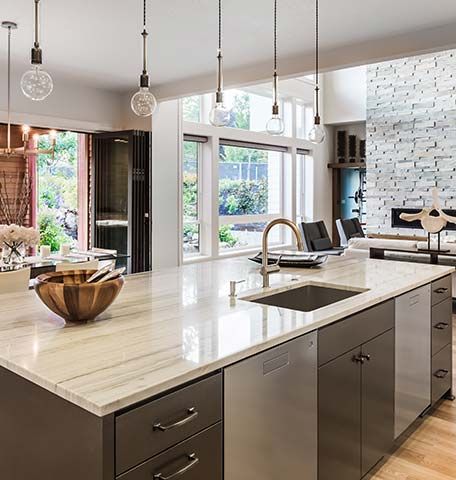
x,y
279,258
233,285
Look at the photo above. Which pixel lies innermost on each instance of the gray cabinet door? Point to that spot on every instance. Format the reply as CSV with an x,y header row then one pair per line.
x,y
377,404
339,418
271,414
413,357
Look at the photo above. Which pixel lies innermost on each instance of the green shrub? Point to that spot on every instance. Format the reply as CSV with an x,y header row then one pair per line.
x,y
243,197
225,235
51,232
190,192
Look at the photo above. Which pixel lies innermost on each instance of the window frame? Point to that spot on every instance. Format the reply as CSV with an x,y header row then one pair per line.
x,y
254,218
209,220
199,197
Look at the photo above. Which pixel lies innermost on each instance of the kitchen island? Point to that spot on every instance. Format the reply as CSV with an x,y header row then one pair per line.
x,y
79,401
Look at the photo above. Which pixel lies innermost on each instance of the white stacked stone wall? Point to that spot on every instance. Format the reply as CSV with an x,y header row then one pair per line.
x,y
411,136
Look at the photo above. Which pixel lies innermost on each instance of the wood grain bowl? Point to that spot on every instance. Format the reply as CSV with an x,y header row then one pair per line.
x,y
68,296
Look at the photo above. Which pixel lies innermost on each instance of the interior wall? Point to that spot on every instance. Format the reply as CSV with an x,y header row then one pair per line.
x,y
411,136
166,145
344,95
71,106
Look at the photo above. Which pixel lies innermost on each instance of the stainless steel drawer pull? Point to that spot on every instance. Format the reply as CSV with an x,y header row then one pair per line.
x,y
361,358
193,461
441,290
192,413
358,359
442,373
441,325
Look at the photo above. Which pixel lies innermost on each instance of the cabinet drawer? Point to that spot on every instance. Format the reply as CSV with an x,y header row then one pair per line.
x,y
198,458
342,336
148,430
441,289
441,325
441,373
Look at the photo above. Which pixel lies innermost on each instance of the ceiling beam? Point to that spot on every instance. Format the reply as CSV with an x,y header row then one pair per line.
x,y
373,51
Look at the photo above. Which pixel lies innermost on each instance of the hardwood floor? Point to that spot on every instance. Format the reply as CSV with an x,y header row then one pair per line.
x,y
429,453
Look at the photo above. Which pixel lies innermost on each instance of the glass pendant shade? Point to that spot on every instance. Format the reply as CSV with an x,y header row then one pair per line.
x,y
36,84
317,134
275,125
220,115
143,102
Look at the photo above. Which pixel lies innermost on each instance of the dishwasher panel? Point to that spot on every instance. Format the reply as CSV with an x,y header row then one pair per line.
x,y
413,357
271,414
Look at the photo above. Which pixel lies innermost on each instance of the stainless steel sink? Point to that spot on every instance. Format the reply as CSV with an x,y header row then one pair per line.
x,y
306,298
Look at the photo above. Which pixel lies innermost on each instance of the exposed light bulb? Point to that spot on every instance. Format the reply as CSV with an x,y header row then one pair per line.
x,y
143,102
53,137
275,125
317,134
25,133
220,115
36,84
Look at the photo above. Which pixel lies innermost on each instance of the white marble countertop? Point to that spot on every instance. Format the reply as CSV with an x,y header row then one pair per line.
x,y
177,324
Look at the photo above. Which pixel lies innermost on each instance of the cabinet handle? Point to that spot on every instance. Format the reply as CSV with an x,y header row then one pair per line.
x,y
358,359
441,325
193,461
192,413
441,290
366,357
441,373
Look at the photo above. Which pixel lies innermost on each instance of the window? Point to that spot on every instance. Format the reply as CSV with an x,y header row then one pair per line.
x,y
191,108
304,187
57,191
191,197
304,119
250,194
243,178
249,110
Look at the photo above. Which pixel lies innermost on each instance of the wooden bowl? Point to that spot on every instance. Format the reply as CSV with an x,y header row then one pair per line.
x,y
67,294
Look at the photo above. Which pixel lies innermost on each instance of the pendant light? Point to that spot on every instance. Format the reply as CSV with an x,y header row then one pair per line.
x,y
219,115
23,151
143,102
317,133
275,125
36,83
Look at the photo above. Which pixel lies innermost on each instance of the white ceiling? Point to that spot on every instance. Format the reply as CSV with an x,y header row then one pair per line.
x,y
98,41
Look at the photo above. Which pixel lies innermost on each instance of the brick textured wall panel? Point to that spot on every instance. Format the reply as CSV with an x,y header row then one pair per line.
x,y
411,136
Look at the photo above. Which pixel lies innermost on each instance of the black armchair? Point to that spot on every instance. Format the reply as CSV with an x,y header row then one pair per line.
x,y
316,239
349,228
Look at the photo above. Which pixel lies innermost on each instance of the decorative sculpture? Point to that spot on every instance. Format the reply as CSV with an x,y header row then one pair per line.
x,y
433,220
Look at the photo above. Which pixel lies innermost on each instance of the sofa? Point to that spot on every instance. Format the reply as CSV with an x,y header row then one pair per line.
x,y
359,247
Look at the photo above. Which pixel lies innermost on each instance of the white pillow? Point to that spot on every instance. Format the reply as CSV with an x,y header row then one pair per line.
x,y
366,243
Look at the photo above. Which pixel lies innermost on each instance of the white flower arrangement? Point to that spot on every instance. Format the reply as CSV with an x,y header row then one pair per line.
x,y
15,235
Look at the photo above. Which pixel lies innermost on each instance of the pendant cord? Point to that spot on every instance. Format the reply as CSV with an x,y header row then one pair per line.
x,y
275,36
317,64
219,92
316,43
8,142
220,24
37,24
144,15
275,81
144,35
